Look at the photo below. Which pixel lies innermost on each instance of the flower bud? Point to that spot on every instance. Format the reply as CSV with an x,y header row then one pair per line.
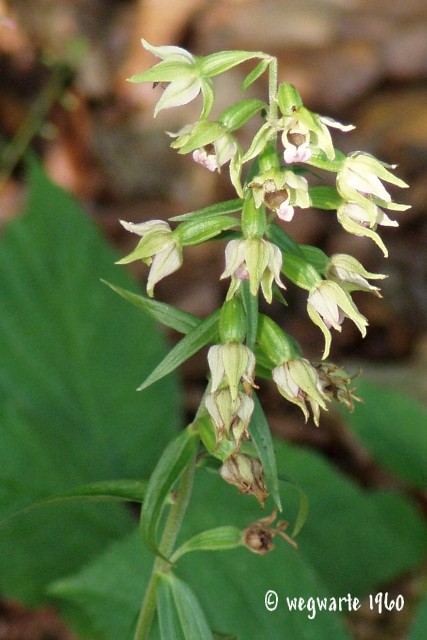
x,y
247,475
232,321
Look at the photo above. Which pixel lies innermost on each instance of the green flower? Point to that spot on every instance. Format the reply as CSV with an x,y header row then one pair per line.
x,y
159,248
256,260
359,181
363,220
231,364
179,69
230,415
328,305
351,274
298,381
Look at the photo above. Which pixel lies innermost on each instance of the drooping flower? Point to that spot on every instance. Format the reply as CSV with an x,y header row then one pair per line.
x,y
351,274
253,259
233,363
359,181
230,416
362,221
328,305
159,248
245,473
298,381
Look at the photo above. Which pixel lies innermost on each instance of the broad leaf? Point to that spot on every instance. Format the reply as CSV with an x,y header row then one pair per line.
x,y
393,427
71,354
352,542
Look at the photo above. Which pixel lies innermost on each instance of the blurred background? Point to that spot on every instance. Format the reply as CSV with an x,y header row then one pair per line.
x,y
63,93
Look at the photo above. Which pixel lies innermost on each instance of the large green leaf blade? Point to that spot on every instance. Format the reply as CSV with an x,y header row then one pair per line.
x,y
231,587
70,358
392,426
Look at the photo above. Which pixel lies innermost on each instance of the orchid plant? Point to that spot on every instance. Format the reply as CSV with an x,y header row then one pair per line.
x,y
275,178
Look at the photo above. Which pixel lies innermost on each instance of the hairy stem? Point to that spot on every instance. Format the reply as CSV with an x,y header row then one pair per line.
x,y
272,89
170,533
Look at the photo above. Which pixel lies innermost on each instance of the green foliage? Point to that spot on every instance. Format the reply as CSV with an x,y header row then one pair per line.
x,y
393,428
352,542
71,356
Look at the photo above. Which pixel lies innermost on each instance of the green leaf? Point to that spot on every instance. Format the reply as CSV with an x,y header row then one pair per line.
x,y
239,113
315,256
197,338
392,426
217,539
164,313
344,519
113,490
418,629
250,304
324,197
283,240
174,459
222,61
255,74
213,211
70,356
261,437
180,609
197,231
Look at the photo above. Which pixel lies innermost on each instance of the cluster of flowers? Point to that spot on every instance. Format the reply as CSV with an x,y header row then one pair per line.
x,y
290,141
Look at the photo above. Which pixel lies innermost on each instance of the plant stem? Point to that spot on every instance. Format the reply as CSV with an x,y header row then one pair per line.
x,y
170,533
272,89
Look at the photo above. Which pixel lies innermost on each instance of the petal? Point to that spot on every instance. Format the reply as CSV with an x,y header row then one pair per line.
x,y
178,93
168,52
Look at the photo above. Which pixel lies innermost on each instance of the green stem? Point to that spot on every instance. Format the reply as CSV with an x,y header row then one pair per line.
x,y
272,90
170,533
